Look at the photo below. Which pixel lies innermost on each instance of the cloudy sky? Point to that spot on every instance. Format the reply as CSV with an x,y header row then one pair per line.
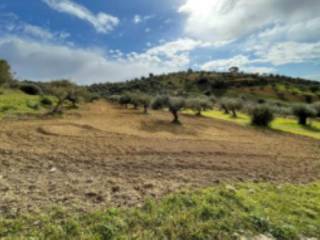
x,y
114,40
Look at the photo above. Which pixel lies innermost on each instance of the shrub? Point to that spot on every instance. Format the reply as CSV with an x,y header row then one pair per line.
x,y
261,116
45,101
31,89
174,104
199,104
303,112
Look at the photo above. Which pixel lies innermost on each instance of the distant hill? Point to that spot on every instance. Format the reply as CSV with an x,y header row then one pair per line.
x,y
217,83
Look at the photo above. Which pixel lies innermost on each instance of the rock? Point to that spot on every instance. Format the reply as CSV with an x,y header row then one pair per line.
x,y
52,170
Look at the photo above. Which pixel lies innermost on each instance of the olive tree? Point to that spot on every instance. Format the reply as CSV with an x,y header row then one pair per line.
x,y
199,104
174,104
63,90
303,112
231,105
316,107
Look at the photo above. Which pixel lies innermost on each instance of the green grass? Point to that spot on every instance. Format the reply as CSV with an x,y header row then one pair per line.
x,y
13,102
223,212
281,124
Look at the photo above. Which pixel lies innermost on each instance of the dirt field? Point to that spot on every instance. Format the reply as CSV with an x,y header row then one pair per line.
x,y
102,156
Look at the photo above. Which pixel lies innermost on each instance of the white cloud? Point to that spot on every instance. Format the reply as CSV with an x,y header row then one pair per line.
x,y
44,61
225,20
241,61
288,52
137,19
102,22
37,31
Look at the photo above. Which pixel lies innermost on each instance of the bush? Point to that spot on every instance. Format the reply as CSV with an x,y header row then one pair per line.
x,y
45,101
261,116
303,112
31,89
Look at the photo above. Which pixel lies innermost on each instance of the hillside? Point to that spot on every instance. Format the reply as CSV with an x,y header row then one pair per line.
x,y
218,83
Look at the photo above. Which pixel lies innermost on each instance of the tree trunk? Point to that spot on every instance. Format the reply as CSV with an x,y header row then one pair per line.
x,y
303,121
199,113
234,113
145,109
58,107
175,117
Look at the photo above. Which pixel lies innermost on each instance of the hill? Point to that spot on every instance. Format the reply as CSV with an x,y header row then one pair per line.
x,y
217,83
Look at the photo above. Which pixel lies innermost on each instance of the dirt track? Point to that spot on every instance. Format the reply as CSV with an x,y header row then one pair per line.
x,y
104,156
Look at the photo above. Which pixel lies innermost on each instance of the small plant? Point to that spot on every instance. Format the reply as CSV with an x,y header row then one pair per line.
x,y
174,104
261,116
303,112
45,101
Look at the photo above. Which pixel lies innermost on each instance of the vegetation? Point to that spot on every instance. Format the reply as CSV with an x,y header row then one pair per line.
x,y
231,105
227,84
15,102
261,116
174,104
5,72
303,113
223,212
199,104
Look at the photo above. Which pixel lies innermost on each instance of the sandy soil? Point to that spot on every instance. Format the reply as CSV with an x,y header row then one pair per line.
x,y
102,155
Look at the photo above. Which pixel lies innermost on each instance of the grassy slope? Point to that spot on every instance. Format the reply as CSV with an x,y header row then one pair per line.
x,y
16,102
281,124
222,212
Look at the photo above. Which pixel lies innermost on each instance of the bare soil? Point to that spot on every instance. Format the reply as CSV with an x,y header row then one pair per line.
x,y
102,155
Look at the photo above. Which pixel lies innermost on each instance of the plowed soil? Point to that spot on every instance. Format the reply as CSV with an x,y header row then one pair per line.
x,y
103,155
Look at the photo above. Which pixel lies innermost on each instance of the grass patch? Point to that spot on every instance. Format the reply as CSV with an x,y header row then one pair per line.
x,y
281,124
13,102
223,212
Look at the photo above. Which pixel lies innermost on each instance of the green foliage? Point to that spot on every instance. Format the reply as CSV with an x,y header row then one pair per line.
x,y
14,102
199,104
231,105
45,101
316,107
5,72
31,89
174,104
228,212
261,116
303,112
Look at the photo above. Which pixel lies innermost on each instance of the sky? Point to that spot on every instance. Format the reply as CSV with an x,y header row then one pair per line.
x,y
93,41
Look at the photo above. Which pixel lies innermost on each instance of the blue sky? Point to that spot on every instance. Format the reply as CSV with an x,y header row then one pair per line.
x,y
114,40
